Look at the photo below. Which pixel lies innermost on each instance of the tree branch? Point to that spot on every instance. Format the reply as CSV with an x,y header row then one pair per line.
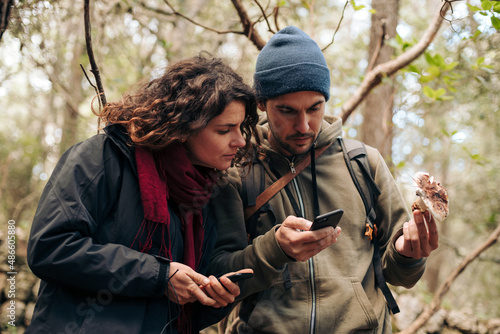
x,y
374,77
377,48
199,24
275,13
248,29
5,6
265,16
445,287
90,52
338,26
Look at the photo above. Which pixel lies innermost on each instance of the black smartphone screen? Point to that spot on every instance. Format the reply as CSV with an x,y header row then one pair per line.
x,y
328,219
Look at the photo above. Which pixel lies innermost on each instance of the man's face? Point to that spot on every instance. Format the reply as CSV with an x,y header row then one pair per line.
x,y
294,121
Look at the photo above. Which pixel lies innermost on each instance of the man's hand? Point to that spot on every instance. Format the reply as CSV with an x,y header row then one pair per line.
x,y
184,285
418,240
301,244
222,290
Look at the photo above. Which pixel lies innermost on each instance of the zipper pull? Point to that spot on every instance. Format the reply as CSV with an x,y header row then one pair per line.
x,y
292,167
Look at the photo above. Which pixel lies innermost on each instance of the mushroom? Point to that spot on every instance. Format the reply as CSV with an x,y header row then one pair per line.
x,y
431,195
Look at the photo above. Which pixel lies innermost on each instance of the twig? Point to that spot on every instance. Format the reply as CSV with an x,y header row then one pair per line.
x,y
5,7
201,25
374,77
92,103
90,52
155,10
265,16
445,287
248,29
88,79
275,13
376,52
338,26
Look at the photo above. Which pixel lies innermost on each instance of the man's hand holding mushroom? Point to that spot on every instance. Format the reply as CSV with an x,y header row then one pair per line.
x,y
420,235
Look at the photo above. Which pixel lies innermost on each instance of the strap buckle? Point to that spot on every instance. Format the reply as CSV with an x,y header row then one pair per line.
x,y
370,230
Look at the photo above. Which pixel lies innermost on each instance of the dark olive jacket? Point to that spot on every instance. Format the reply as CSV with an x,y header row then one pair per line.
x,y
93,281
334,291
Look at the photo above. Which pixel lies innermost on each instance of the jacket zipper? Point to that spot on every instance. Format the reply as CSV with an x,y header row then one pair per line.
x,y
309,261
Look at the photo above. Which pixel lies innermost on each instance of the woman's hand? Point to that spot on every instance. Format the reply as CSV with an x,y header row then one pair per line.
x,y
222,290
185,285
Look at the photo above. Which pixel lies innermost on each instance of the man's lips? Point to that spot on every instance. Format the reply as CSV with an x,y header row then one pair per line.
x,y
300,139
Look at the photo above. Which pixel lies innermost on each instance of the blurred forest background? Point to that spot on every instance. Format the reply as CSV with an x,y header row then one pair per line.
x,y
439,113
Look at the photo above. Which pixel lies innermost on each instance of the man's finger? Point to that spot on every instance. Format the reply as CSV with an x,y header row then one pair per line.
x,y
297,223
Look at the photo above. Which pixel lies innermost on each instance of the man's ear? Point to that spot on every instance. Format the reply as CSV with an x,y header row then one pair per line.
x,y
262,106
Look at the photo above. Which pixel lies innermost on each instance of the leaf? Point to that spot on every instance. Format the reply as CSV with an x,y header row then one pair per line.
x,y
486,4
426,78
445,98
428,58
434,71
495,21
356,7
481,80
372,11
428,91
440,92
450,66
473,8
399,39
477,33
413,68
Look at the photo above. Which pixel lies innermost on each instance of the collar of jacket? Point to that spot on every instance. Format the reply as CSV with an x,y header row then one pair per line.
x,y
118,135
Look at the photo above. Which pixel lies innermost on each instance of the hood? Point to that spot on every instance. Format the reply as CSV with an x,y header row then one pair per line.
x,y
331,129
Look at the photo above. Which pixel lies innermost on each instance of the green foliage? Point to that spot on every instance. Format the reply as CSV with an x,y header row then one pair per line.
x,y
357,7
490,9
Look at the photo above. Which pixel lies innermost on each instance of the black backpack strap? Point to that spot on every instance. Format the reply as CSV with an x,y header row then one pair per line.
x,y
356,160
249,195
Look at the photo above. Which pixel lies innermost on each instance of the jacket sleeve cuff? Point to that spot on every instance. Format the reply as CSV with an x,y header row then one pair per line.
x,y
163,275
269,246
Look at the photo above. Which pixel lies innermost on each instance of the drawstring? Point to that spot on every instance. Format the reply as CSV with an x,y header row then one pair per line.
x,y
314,182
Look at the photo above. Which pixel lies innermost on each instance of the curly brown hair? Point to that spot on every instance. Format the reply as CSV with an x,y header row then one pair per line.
x,y
181,102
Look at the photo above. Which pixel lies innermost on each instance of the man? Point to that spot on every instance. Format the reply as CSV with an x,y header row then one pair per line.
x,y
310,281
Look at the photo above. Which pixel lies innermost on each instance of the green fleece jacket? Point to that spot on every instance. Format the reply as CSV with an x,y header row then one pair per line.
x,y
335,291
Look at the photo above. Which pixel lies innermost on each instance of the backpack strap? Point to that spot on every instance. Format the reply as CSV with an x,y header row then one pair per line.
x,y
356,160
273,189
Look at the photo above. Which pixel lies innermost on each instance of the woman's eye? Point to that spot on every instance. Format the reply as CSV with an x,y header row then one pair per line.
x,y
223,132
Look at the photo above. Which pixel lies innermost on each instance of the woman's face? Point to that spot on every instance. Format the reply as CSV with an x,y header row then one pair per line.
x,y
216,145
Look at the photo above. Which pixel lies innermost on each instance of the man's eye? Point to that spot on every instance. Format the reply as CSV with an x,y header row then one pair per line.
x,y
286,111
223,132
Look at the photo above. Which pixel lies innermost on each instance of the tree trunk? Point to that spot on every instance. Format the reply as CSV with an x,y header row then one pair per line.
x,y
377,124
73,100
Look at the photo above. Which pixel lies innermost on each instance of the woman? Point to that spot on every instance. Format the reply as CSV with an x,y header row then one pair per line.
x,y
122,233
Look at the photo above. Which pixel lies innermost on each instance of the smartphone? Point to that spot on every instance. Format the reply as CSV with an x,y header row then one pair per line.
x,y
239,277
331,218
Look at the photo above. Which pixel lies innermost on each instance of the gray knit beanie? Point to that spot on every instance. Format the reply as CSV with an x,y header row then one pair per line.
x,y
291,62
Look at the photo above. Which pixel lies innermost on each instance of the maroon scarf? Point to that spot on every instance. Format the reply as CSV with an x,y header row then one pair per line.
x,y
170,175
